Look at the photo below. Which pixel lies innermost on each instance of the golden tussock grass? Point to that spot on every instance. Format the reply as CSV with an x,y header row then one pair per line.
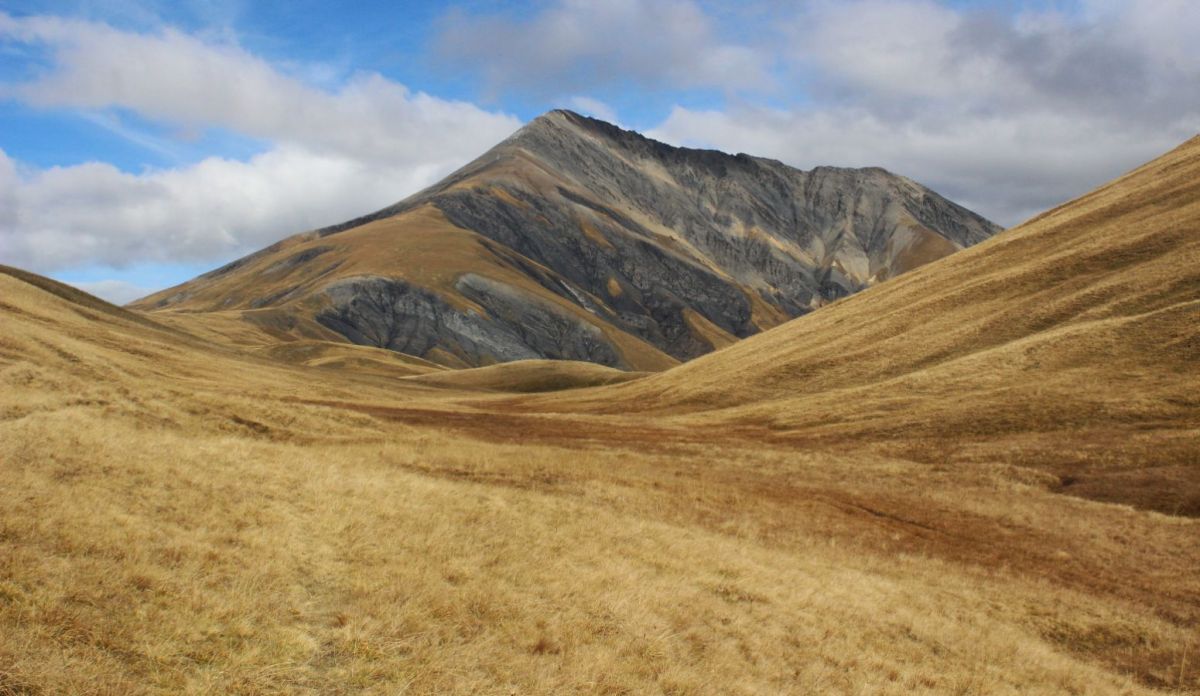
x,y
529,376
145,559
824,509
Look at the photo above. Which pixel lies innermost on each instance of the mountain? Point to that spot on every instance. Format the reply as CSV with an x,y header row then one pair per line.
x,y
906,491
888,495
1070,343
575,239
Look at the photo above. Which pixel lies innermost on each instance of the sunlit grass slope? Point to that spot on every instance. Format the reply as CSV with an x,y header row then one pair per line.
x,y
182,518
528,376
787,516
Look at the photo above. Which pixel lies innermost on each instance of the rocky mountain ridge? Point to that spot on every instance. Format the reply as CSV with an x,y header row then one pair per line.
x,y
576,239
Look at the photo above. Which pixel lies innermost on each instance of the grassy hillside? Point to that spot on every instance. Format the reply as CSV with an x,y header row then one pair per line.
x,y
359,360
528,376
791,515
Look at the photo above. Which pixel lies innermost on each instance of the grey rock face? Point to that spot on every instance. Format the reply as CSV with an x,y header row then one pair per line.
x,y
392,314
656,286
677,228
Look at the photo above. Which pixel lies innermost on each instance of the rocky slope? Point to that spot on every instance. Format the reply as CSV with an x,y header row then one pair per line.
x,y
574,239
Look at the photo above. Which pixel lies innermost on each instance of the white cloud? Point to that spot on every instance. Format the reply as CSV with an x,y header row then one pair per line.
x,y
887,47
118,292
579,45
8,196
95,214
1130,61
333,154
177,78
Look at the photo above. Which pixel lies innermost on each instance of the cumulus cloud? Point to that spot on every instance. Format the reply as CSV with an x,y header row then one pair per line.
x,y
578,45
118,292
332,154
95,214
178,78
1006,114
1121,59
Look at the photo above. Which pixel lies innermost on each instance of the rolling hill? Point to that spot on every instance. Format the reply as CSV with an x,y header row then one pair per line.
x,y
574,239
528,376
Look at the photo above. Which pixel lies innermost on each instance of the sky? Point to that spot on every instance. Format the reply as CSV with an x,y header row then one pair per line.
x,y
145,142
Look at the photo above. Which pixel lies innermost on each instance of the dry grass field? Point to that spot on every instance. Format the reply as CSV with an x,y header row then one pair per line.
x,y
528,376
978,478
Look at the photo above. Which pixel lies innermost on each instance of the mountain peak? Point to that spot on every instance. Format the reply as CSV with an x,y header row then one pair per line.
x,y
571,122
577,239
556,120
558,124
568,118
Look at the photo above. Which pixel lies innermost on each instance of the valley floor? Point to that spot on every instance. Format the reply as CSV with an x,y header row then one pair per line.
x,y
232,527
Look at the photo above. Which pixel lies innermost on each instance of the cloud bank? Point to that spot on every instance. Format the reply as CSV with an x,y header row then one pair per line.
x,y
332,155
572,46
118,292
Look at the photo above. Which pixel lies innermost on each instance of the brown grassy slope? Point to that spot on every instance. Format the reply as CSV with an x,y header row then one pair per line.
x,y
528,376
176,519
1071,342
348,357
254,329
